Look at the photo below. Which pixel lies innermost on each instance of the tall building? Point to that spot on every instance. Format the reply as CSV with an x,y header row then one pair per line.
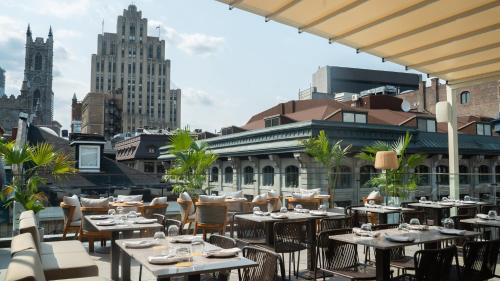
x,y
134,62
101,113
2,82
76,115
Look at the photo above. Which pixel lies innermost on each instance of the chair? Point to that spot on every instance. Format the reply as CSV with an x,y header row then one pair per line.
x,y
268,265
407,215
249,232
335,223
168,222
467,210
88,231
358,217
210,216
339,258
69,224
480,260
187,216
225,243
290,237
307,203
147,211
432,265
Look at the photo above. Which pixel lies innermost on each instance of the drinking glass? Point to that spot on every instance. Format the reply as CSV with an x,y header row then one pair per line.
x,y
467,198
159,235
448,223
423,198
371,202
366,227
111,212
124,219
283,210
444,199
256,209
119,209
132,214
403,226
492,214
298,207
173,230
197,246
414,221
183,251
322,208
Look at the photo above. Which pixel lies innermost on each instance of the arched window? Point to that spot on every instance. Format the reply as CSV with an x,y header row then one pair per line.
x,y
38,61
344,177
268,176
463,172
442,176
248,175
36,97
365,174
422,172
464,97
214,174
228,175
291,176
484,174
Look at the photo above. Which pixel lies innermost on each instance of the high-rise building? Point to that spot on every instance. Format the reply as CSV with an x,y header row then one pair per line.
x,y
2,82
76,115
134,62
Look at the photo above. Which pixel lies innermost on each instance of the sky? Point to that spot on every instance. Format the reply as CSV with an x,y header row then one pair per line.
x,y
229,64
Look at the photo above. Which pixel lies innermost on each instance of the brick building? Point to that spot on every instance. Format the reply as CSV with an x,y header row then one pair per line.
x,y
101,113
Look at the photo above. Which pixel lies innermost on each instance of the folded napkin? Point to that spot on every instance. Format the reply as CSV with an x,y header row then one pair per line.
x,y
260,213
106,223
301,210
358,231
182,239
223,253
392,208
279,216
418,227
167,259
399,238
145,221
451,231
483,216
373,206
446,203
318,213
100,217
425,202
139,244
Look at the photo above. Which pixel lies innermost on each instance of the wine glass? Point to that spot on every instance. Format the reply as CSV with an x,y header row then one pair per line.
x,y
111,212
132,214
492,214
444,199
423,199
119,209
414,222
298,207
123,219
371,203
173,230
159,235
322,208
366,227
283,210
467,198
256,209
448,223
403,226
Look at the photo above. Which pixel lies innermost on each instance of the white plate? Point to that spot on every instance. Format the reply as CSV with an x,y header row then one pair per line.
x,y
145,221
101,217
452,231
318,213
279,216
105,223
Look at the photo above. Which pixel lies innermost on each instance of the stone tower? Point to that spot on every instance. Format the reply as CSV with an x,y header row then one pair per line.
x,y
38,74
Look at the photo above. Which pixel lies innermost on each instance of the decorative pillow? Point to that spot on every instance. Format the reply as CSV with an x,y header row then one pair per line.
x,y
235,194
274,205
273,194
316,191
260,198
374,195
73,201
211,199
303,195
130,198
185,196
89,202
159,201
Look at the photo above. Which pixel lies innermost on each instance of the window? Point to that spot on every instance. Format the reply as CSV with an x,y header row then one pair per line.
x,y
149,167
463,176
158,52
484,174
354,117
272,121
152,149
344,177
442,176
160,169
426,125
38,61
423,172
483,129
248,175
36,97
465,97
89,157
291,176
214,174
365,174
268,176
497,174
228,175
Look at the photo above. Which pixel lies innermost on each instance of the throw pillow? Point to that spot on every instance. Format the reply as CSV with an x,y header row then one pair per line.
x,y
94,203
374,195
73,201
130,198
260,198
273,194
303,195
235,194
159,201
211,199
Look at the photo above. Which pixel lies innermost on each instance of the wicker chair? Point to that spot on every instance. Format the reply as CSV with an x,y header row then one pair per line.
x,y
69,224
187,217
210,216
335,223
480,260
147,211
249,232
88,231
357,217
311,204
339,258
289,238
168,222
407,215
225,243
268,265
432,265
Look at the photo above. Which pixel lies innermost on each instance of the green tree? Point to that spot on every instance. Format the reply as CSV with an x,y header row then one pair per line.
x,y
330,156
31,165
192,160
401,181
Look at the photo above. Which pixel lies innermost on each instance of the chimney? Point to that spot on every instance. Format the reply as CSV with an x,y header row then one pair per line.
x,y
421,97
435,88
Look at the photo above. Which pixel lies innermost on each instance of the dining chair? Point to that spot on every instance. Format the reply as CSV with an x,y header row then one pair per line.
x,y
224,243
88,231
210,216
290,238
407,215
468,210
187,215
307,203
340,258
69,224
249,232
479,260
270,266
147,211
358,217
162,219
335,223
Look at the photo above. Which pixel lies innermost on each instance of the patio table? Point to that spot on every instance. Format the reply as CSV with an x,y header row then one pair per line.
x,y
269,221
478,223
127,229
441,209
200,264
381,211
383,247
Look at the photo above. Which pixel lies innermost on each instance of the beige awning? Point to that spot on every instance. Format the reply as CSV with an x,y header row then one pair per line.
x,y
455,40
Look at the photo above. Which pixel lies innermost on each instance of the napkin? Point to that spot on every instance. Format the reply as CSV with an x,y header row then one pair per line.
x,y
318,213
182,239
301,210
358,231
139,244
167,259
106,223
100,217
451,231
260,213
145,221
399,238
279,216
224,253
392,208
446,203
483,216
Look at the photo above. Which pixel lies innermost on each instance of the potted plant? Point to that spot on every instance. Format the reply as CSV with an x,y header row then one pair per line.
x,y
330,156
395,183
189,168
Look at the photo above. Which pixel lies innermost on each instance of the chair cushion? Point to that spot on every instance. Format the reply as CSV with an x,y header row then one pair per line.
x,y
68,265
27,214
22,242
159,201
74,201
130,198
312,190
260,198
309,195
374,195
273,194
211,199
25,265
28,225
274,205
90,202
234,194
58,247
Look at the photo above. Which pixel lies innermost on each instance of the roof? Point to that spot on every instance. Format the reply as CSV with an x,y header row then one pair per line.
x,y
457,41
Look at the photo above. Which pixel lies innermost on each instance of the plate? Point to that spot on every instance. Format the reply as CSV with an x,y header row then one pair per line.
x,y
318,213
105,223
100,217
145,221
451,231
279,216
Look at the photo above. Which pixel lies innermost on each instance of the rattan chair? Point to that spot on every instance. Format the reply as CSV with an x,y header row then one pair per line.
x,y
268,265
187,217
290,238
69,224
147,211
249,232
225,243
88,231
432,265
209,217
357,217
339,258
335,223
309,203
480,260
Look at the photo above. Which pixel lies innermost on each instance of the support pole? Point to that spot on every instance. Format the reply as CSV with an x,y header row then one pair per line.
x,y
453,146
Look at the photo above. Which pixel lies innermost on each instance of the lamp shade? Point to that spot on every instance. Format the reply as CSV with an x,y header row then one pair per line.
x,y
443,111
386,160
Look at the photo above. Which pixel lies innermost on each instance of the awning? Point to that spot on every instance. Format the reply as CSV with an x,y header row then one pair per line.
x,y
454,40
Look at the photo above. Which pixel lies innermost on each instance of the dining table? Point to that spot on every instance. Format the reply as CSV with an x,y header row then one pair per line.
x,y
441,209
381,211
480,224
116,224
378,241
199,262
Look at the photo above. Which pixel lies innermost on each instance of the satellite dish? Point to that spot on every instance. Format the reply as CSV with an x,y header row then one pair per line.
x,y
405,106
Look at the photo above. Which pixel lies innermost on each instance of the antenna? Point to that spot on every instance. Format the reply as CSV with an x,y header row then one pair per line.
x,y
102,27
159,31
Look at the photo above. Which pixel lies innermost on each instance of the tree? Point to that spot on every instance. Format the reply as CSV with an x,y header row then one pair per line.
x,y
31,165
192,160
330,156
401,181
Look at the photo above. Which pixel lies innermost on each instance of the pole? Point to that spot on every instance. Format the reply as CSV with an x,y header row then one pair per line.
x,y
453,147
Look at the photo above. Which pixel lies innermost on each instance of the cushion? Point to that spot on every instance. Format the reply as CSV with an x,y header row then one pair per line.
x,y
374,195
303,195
130,198
68,265
185,196
260,198
235,194
22,242
159,201
312,190
274,205
73,201
28,225
27,214
25,265
211,199
58,247
273,194
95,203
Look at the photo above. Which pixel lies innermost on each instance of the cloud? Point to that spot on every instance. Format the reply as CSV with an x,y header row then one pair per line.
x,y
194,97
11,44
66,33
62,9
190,43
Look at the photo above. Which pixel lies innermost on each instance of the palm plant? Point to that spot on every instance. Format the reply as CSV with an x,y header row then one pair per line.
x,y
31,165
401,181
330,156
192,160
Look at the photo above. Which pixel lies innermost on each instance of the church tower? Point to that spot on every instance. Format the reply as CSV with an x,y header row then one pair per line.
x,y
38,74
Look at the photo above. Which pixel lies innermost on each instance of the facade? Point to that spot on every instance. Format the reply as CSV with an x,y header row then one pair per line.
x,y
2,82
101,113
135,63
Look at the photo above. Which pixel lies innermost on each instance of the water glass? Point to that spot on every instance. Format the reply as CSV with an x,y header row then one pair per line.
x,y
256,209
111,212
183,251
444,199
298,207
492,214
371,202
197,246
119,209
173,230
132,214
124,219
448,223
366,227
159,235
467,198
283,210
423,198
322,208
414,221
403,226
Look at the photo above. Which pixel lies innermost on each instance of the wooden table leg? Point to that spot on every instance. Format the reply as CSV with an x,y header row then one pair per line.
x,y
115,256
125,259
382,263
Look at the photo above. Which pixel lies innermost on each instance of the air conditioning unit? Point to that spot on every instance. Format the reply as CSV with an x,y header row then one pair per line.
x,y
355,97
